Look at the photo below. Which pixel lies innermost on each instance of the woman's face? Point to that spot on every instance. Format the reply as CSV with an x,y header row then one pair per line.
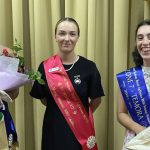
x,y
143,42
66,36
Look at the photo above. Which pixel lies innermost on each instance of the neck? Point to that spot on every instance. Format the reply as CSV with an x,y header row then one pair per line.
x,y
68,58
146,63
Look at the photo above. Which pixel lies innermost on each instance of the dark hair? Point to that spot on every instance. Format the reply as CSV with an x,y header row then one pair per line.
x,y
136,56
69,20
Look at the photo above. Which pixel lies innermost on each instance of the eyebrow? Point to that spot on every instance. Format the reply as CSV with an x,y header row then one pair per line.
x,y
65,31
142,34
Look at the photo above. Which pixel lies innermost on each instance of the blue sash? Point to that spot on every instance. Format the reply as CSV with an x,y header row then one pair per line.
x,y
10,127
135,95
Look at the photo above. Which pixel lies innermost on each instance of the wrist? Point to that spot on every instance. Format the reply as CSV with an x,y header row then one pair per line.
x,y
138,129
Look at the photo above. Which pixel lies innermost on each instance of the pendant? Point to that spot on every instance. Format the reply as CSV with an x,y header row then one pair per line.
x,y
91,141
77,80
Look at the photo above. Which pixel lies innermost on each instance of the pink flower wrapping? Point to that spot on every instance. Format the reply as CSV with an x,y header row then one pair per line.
x,y
10,78
12,69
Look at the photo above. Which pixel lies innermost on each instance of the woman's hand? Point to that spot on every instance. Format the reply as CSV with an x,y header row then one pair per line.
x,y
13,93
139,129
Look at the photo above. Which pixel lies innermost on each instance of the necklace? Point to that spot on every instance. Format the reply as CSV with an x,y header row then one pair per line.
x,y
72,64
146,73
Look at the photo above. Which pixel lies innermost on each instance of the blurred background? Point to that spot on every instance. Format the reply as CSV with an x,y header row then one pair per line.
x,y
107,37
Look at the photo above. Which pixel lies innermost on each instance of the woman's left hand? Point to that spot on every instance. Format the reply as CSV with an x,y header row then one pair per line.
x,y
139,129
94,103
13,93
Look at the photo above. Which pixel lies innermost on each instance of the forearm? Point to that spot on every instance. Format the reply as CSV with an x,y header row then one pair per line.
x,y
128,123
44,102
95,103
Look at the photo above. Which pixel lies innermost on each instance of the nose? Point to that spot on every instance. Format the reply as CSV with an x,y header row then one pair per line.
x,y
146,41
67,37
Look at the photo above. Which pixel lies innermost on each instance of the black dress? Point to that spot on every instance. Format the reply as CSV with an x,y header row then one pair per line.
x,y
86,80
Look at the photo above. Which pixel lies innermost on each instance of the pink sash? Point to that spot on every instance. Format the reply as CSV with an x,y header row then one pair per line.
x,y
70,104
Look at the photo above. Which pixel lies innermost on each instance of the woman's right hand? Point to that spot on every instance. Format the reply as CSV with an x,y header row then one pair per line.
x,y
13,93
139,129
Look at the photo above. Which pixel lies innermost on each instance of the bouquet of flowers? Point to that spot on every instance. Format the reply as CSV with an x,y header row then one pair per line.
x,y
12,69
12,75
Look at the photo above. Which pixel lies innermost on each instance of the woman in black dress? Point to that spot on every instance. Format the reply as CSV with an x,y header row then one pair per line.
x,y
86,80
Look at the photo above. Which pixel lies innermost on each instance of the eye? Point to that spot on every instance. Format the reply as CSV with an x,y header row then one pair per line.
x,y
73,34
61,33
148,36
139,37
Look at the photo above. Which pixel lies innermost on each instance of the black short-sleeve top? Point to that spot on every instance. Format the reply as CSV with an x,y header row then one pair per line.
x,y
86,81
84,76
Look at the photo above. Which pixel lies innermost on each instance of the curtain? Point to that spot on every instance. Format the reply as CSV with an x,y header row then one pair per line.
x,y
32,23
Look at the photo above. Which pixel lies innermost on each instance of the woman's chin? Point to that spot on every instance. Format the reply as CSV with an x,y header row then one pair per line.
x,y
66,50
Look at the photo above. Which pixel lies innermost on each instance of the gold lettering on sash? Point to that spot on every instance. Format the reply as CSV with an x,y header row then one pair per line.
x,y
60,102
84,116
69,116
69,102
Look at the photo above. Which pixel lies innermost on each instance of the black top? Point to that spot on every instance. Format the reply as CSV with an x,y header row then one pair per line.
x,y
86,81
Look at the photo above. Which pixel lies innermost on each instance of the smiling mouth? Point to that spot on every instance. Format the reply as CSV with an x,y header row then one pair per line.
x,y
145,49
66,45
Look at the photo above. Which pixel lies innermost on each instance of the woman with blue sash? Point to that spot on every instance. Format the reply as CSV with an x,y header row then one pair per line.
x,y
133,110
8,135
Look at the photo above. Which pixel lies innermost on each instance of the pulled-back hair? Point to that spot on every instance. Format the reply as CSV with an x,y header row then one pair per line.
x,y
136,56
69,20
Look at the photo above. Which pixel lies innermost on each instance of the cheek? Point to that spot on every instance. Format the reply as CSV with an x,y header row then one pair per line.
x,y
138,45
75,41
58,40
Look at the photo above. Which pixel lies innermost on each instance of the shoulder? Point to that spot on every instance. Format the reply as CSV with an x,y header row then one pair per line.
x,y
86,62
88,65
132,69
41,67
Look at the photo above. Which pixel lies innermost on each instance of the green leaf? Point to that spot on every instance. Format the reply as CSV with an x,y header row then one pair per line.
x,y
32,74
16,48
35,76
21,61
41,81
